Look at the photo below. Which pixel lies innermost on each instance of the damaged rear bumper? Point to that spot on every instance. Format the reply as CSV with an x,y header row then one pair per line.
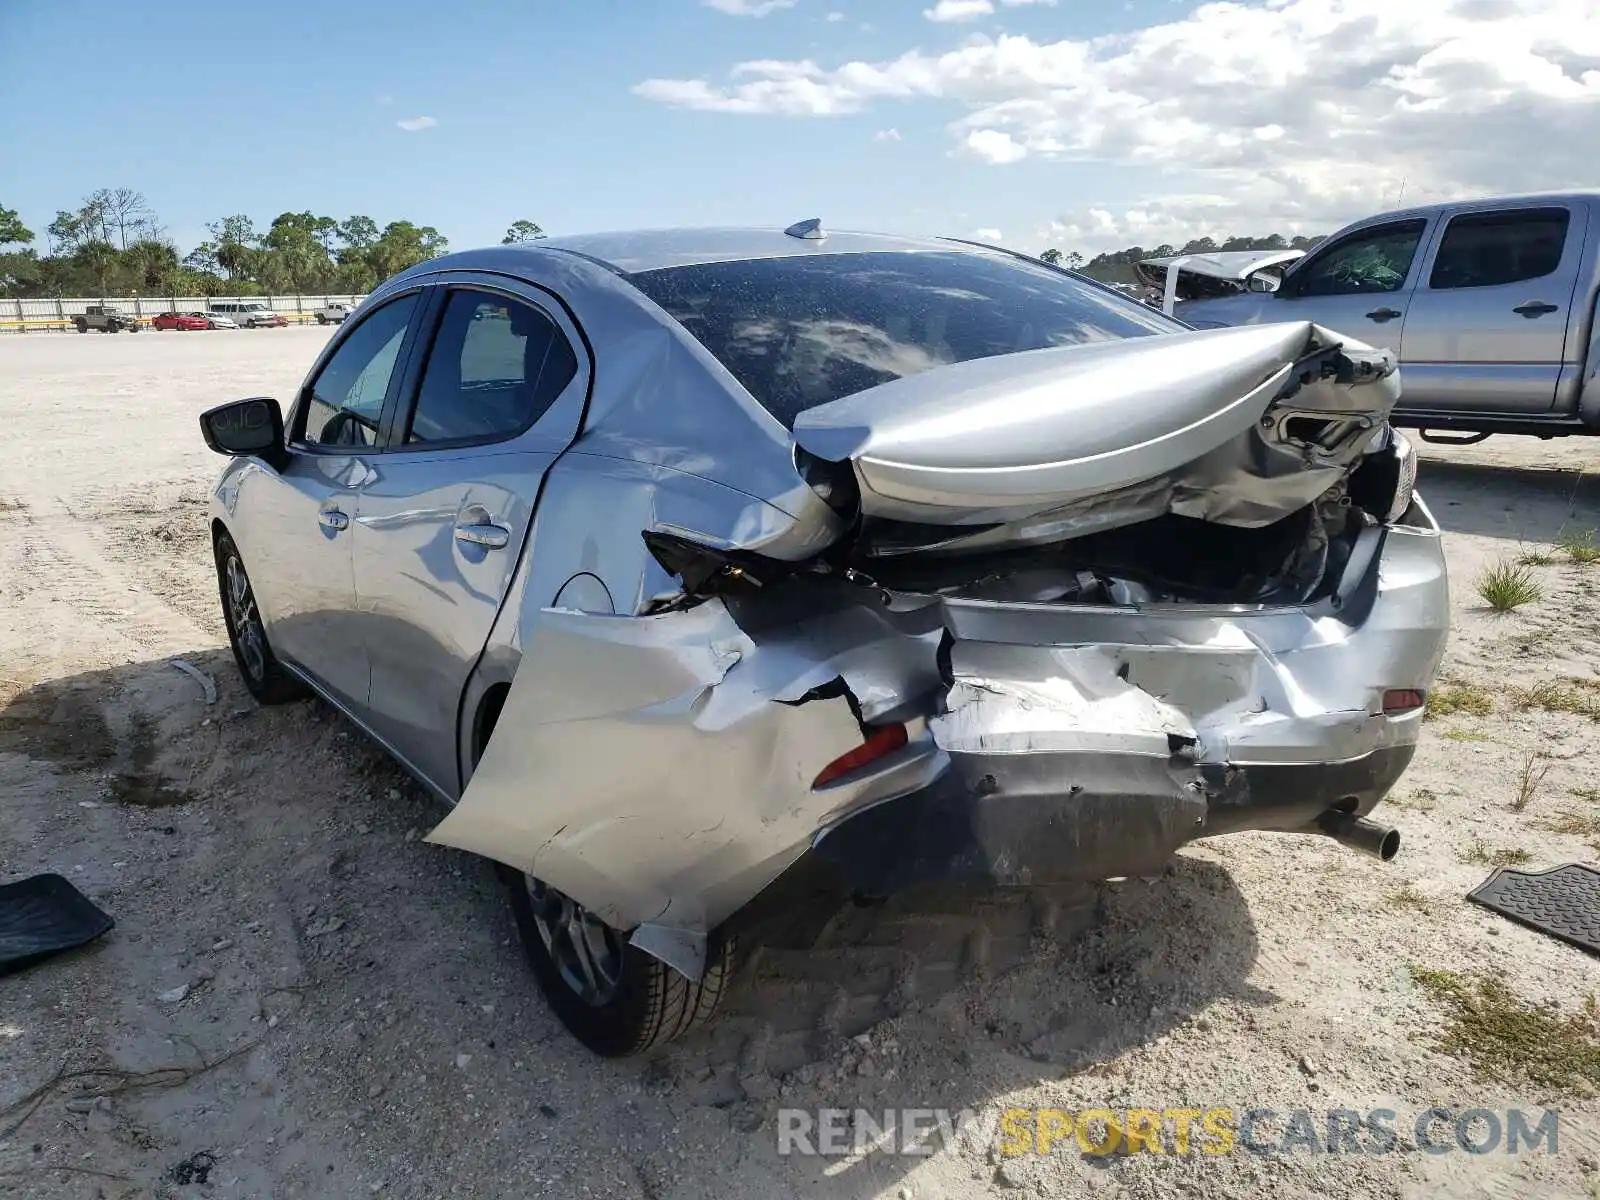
x,y
1008,820
661,770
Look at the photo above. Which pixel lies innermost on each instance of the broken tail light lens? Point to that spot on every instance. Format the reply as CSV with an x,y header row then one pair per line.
x,y
1403,700
881,741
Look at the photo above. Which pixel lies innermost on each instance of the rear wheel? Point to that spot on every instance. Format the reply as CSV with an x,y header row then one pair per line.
x,y
263,674
613,997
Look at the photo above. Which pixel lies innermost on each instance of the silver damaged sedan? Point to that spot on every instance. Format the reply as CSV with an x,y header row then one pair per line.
x,y
698,571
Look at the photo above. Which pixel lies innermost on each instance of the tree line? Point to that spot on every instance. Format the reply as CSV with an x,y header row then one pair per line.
x,y
1116,266
113,244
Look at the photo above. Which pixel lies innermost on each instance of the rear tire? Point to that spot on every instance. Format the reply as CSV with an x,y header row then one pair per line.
x,y
263,674
638,1001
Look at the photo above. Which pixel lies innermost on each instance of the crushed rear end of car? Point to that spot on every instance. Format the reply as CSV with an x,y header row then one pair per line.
x,y
1065,611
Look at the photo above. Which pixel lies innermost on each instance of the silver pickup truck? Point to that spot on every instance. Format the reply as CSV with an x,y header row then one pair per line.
x,y
1489,305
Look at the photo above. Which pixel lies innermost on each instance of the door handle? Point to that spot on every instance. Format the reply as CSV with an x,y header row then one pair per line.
x,y
1535,308
1381,315
484,533
332,518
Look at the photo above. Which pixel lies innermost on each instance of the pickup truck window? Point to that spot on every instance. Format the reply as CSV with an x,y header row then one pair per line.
x,y
1376,259
1485,249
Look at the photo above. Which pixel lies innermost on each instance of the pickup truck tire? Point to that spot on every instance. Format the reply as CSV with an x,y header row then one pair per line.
x,y
81,326
321,320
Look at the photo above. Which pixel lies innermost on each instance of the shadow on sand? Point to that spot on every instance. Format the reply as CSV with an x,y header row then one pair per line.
x,y
238,818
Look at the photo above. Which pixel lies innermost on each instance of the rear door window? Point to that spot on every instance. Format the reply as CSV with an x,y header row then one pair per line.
x,y
803,330
1487,249
496,366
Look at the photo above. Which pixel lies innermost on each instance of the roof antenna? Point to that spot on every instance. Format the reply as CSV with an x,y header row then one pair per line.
x,y
809,229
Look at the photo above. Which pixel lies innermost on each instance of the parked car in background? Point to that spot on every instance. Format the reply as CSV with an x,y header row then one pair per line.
x,y
178,320
1489,305
215,320
688,566
107,318
332,314
249,314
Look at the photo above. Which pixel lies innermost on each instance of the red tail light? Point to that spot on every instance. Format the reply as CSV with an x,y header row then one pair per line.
x,y
885,740
1400,700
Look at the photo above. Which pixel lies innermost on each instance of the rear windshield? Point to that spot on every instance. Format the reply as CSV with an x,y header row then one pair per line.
x,y
803,330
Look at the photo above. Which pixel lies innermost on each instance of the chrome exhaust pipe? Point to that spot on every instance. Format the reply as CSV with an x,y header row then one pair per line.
x,y
1358,833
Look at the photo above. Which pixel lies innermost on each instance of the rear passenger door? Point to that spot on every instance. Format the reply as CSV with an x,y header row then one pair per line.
x,y
495,396
1488,328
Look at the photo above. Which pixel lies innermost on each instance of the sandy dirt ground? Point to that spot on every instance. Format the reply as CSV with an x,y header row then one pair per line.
x,y
302,999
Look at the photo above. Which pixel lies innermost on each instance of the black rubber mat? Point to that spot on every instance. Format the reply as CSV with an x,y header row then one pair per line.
x,y
1563,901
42,916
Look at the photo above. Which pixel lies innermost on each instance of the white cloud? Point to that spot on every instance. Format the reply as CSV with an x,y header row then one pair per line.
x,y
412,124
994,146
749,8
886,135
988,235
947,11
834,18
385,100
1284,115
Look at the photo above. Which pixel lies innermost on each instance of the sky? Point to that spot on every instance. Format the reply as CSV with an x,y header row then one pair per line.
x,y
1068,123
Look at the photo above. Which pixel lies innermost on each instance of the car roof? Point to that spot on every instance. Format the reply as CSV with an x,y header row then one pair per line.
x,y
652,249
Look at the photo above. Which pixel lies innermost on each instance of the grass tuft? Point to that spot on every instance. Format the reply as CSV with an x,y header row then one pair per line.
x,y
1576,824
1581,548
1407,897
1507,586
1505,1037
1537,556
1421,800
1448,699
1534,769
1466,735
1569,695
1480,854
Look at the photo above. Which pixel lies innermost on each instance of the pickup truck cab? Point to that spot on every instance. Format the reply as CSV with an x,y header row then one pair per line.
x,y
1488,304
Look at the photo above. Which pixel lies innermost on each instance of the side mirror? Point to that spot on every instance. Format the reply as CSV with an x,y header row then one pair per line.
x,y
250,428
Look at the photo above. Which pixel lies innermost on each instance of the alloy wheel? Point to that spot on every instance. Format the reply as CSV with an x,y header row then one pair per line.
x,y
585,950
245,619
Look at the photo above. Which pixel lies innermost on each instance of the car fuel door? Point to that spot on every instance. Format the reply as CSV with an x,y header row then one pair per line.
x,y
442,523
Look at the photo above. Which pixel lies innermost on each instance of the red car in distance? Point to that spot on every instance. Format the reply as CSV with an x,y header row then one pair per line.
x,y
178,320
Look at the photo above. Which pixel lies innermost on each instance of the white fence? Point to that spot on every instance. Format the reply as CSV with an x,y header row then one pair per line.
x,y
28,316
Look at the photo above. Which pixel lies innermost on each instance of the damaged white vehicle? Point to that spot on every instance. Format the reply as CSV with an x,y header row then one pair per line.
x,y
683,565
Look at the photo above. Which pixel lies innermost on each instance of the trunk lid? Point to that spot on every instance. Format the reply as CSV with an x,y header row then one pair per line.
x,y
1241,426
